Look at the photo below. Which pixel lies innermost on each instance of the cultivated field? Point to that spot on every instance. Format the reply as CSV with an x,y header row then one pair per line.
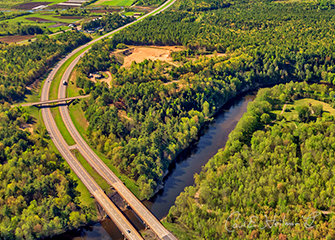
x,y
51,21
114,2
31,5
13,39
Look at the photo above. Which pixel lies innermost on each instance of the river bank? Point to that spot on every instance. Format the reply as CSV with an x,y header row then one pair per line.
x,y
212,137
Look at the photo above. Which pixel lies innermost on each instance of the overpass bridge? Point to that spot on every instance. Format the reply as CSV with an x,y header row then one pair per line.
x,y
51,101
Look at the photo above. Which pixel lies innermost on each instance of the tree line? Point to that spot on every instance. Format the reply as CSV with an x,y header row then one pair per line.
x,y
37,197
154,110
23,64
283,172
108,22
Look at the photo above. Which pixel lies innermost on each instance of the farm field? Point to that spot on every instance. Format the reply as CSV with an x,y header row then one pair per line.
x,y
115,2
14,39
53,22
53,1
40,17
131,13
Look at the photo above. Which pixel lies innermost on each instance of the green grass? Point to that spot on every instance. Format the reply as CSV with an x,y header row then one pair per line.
x,y
129,13
58,76
72,90
78,117
117,2
53,1
97,178
181,232
61,126
293,114
23,21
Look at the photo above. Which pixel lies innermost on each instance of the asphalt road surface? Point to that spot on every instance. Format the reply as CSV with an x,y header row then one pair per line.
x,y
93,159
51,101
113,212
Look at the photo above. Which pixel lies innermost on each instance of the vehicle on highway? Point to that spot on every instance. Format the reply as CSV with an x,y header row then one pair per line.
x,y
128,230
64,82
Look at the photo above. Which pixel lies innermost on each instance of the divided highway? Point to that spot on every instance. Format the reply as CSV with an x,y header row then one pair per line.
x,y
113,212
122,223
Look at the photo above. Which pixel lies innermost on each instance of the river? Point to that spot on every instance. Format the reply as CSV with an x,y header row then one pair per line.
x,y
212,138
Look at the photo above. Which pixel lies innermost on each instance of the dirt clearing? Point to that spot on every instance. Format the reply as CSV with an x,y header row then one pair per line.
x,y
13,39
28,126
139,54
107,80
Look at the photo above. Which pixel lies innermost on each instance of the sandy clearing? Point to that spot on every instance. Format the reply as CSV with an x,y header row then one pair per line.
x,y
106,80
139,54
28,127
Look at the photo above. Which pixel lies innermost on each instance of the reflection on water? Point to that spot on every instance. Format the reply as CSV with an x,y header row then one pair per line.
x,y
189,162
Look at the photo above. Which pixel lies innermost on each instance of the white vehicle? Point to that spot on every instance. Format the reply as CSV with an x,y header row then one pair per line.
x,y
64,82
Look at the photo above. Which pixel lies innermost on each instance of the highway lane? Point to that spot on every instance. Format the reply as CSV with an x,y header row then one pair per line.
x,y
113,212
101,167
61,145
112,179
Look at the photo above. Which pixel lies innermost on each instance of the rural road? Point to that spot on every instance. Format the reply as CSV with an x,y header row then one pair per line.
x,y
92,158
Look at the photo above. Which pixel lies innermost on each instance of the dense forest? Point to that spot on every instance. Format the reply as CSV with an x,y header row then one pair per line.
x,y
108,22
37,196
282,172
155,110
23,64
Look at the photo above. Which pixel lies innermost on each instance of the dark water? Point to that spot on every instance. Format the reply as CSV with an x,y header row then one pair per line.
x,y
212,138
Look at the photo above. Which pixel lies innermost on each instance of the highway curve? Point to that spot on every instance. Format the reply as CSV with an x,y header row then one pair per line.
x,y
113,212
89,154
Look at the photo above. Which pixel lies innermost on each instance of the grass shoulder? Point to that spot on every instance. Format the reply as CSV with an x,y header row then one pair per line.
x,y
97,178
61,126
58,76
181,232
84,197
78,117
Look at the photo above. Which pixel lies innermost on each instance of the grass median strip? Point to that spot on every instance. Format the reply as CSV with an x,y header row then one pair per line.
x,y
58,76
61,126
97,178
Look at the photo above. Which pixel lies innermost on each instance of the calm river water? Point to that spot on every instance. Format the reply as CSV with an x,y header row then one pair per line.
x,y
212,138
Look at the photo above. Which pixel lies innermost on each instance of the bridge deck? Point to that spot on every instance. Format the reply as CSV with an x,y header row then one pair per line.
x,y
50,101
